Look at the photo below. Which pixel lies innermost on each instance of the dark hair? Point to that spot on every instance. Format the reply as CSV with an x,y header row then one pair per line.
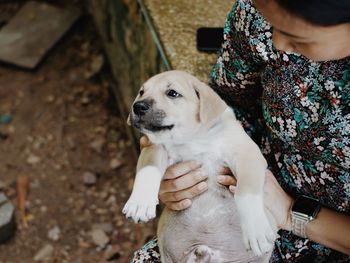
x,y
319,12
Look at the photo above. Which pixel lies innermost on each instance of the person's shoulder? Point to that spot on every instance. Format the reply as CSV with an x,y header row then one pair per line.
x,y
248,25
245,17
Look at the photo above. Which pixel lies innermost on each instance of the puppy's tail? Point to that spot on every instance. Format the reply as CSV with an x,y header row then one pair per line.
x,y
204,254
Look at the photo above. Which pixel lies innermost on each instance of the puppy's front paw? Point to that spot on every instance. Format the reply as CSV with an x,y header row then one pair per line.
x,y
140,210
258,235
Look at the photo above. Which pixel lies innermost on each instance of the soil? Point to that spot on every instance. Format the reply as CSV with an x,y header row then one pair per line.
x,y
68,138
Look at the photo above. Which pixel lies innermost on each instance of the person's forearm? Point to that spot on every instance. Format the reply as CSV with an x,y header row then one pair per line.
x,y
331,229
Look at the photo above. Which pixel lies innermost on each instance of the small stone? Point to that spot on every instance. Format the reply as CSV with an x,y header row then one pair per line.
x,y
83,244
106,227
43,209
71,143
50,99
89,178
115,163
111,200
97,144
7,219
44,253
85,100
112,253
54,233
5,118
99,238
33,159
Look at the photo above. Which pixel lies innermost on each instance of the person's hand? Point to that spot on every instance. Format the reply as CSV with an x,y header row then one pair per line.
x,y
278,202
144,142
181,182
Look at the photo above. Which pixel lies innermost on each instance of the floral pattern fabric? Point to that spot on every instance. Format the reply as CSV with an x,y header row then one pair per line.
x,y
298,111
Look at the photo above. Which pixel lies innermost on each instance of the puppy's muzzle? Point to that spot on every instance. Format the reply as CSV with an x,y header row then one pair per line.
x,y
140,108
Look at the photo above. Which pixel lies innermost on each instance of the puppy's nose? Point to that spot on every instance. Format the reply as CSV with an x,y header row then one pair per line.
x,y
141,107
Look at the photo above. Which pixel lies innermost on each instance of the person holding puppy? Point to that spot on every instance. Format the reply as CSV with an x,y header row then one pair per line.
x,y
284,68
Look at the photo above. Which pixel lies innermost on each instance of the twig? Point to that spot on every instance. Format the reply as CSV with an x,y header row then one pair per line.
x,y
22,194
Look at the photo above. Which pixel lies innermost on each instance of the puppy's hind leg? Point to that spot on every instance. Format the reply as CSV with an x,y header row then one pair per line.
x,y
141,206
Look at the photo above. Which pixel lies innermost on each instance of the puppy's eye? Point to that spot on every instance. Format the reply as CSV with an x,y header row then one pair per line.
x,y
141,92
173,94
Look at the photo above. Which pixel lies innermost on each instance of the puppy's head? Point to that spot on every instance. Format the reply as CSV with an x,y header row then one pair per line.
x,y
175,104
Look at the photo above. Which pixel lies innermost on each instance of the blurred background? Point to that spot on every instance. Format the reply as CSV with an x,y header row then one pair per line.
x,y
69,71
66,160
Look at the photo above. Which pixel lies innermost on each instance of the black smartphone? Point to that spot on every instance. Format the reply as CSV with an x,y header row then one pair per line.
x,y
209,39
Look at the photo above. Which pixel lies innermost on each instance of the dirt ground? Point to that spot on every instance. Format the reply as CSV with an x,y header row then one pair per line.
x,y
68,138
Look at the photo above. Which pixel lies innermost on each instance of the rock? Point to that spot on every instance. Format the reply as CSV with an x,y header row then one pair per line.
x,y
99,238
44,253
7,219
89,178
97,144
33,159
112,253
106,227
115,163
5,119
112,200
54,233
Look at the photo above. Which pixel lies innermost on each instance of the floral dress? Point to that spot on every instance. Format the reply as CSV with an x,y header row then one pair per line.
x,y
298,111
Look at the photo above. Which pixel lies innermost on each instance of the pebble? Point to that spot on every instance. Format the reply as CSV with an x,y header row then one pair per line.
x,y
44,253
97,144
54,233
5,118
99,238
89,178
106,227
111,200
115,163
7,219
33,159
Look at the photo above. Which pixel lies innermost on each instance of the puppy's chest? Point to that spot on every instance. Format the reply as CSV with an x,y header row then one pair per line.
x,y
211,157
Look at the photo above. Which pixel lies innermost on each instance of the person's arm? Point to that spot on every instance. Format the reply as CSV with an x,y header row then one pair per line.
x,y
236,74
329,228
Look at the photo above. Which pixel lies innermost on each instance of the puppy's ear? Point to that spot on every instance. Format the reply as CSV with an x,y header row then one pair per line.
x,y
211,105
128,121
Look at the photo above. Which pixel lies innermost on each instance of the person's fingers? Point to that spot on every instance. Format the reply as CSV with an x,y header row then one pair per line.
x,y
177,206
226,180
188,193
179,169
226,171
144,142
232,188
182,182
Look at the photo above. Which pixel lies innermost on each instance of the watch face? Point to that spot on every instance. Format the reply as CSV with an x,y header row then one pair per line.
x,y
306,205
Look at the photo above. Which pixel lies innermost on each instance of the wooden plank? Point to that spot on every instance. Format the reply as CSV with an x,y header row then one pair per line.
x,y
33,31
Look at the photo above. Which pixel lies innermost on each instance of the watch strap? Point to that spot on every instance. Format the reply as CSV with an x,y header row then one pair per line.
x,y
298,225
304,210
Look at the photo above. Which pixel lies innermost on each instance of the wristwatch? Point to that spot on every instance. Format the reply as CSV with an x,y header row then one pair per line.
x,y
304,210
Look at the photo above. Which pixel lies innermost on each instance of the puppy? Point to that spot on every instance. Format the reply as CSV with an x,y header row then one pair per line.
x,y
186,120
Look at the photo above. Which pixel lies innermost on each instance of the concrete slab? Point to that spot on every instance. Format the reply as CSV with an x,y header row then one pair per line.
x,y
33,31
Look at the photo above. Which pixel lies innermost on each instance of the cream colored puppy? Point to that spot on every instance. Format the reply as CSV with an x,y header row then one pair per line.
x,y
186,120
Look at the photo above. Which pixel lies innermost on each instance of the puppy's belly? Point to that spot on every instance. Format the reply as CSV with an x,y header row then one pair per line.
x,y
212,221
